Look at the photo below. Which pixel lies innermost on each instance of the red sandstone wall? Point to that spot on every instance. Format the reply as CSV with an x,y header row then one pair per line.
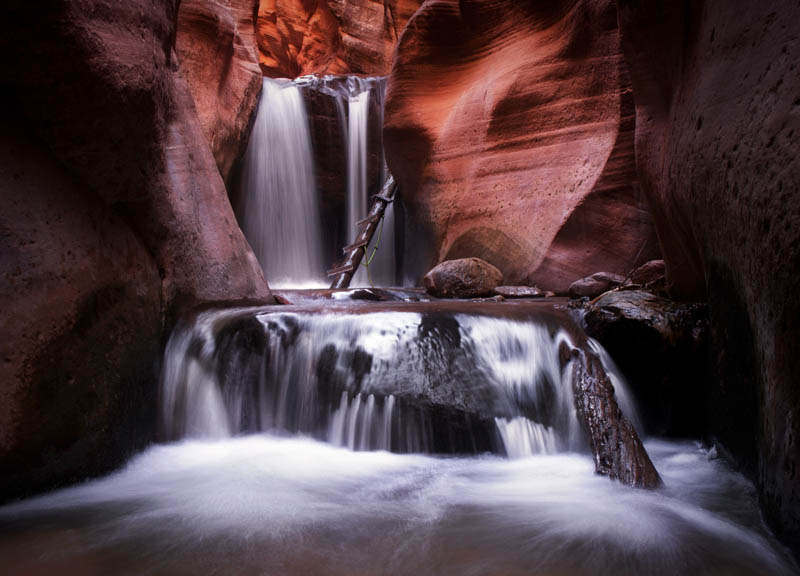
x,y
218,55
298,37
509,126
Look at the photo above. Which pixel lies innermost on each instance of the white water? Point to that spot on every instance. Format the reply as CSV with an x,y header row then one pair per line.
x,y
354,97
340,377
278,208
271,505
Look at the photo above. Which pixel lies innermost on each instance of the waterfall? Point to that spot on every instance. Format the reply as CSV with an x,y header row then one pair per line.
x,y
402,381
277,207
358,116
359,106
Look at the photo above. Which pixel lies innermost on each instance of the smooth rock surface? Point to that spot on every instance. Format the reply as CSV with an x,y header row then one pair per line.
x,y
117,222
718,128
594,285
463,278
299,37
218,54
510,130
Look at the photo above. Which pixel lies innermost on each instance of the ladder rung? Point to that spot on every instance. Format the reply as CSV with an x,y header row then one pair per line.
x,y
386,199
355,246
339,270
369,219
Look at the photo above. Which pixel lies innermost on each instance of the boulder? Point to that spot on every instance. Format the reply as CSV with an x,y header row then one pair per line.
x,y
718,129
594,285
298,37
661,347
652,276
464,278
509,126
218,54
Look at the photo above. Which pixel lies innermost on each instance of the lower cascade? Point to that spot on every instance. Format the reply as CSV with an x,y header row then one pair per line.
x,y
398,381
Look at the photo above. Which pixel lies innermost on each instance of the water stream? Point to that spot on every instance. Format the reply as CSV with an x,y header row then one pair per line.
x,y
394,438
278,209
281,198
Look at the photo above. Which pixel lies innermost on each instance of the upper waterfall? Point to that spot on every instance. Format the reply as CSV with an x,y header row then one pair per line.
x,y
278,202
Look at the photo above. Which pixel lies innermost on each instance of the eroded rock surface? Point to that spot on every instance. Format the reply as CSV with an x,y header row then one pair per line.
x,y
216,46
718,129
298,37
595,285
510,130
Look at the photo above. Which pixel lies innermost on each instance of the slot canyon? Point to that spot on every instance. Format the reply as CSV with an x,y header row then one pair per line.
x,y
400,287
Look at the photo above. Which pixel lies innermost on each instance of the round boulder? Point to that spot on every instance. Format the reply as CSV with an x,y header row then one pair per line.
x,y
463,278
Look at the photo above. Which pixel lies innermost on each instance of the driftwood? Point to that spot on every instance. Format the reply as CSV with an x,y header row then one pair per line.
x,y
617,448
353,253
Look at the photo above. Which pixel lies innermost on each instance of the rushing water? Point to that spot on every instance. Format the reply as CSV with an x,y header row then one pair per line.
x,y
399,379
285,417
275,505
277,207
359,105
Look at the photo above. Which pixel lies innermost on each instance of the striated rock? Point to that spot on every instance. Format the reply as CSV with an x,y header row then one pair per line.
x,y
298,37
718,129
117,222
218,53
519,292
661,347
464,278
617,449
594,285
510,129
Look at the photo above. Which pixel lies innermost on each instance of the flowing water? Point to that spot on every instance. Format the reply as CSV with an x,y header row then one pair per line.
x,y
359,104
392,438
278,208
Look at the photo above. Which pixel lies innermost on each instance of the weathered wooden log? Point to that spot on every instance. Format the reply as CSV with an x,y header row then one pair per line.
x,y
618,450
353,253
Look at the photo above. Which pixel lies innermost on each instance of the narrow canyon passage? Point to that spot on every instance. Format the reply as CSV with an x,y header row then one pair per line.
x,y
400,287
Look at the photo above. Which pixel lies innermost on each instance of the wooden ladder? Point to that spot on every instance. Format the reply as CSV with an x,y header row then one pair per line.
x,y
353,253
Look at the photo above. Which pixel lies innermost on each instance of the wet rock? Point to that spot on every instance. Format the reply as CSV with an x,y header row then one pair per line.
x,y
594,285
660,346
519,292
464,278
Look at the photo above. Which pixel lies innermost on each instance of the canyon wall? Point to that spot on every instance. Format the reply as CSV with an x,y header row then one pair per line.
x,y
717,90
510,129
299,37
218,54
115,221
